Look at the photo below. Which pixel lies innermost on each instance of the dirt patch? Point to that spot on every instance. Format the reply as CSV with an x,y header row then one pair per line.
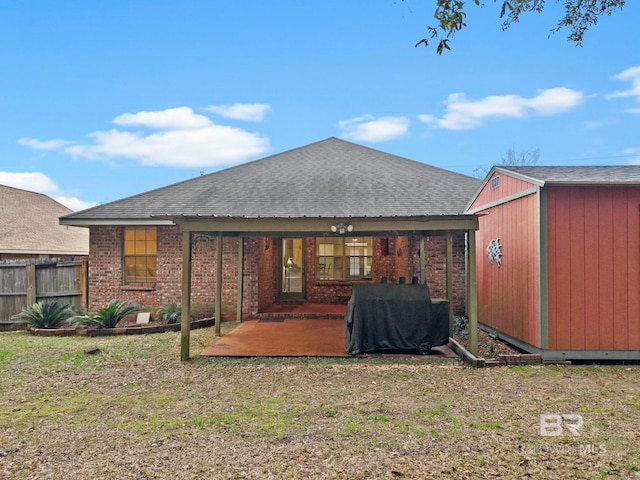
x,y
134,411
488,347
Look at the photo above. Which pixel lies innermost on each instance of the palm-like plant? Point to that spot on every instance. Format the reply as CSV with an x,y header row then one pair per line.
x,y
170,312
45,314
111,315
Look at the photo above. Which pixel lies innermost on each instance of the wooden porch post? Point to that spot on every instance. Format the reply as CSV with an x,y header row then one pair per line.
x,y
240,278
185,317
218,284
473,294
450,278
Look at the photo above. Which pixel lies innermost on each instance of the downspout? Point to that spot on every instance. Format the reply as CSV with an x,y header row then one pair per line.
x,y
473,294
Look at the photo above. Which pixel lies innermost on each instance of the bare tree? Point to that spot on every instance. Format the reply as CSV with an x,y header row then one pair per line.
x,y
511,158
579,16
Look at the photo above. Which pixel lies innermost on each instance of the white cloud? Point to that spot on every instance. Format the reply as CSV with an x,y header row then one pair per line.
x,y
182,139
369,129
213,145
631,75
74,203
40,183
251,112
46,145
634,153
554,100
32,181
170,119
464,114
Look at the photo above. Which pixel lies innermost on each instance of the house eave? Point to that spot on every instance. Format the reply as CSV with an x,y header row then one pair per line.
x,y
88,222
315,225
594,183
66,253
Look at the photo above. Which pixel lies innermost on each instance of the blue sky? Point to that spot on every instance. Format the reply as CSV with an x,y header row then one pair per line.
x,y
100,100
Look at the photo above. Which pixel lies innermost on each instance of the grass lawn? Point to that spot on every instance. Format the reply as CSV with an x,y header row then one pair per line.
x,y
134,411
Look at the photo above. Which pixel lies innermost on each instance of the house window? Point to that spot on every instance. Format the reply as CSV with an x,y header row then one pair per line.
x,y
495,182
344,258
140,253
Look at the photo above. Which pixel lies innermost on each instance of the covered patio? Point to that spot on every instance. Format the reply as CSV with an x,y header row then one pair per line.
x,y
310,223
293,336
304,330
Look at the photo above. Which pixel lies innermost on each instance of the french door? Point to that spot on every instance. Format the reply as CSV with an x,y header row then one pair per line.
x,y
292,269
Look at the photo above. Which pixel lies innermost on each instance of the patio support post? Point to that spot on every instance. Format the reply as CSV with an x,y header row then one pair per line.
x,y
218,284
240,277
450,278
185,317
473,294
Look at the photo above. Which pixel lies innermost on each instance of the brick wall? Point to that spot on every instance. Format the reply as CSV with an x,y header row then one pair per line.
x,y
266,252
394,257
436,269
105,271
251,275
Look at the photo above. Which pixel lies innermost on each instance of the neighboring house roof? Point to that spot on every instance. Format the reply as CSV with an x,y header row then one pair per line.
x,y
329,179
29,225
589,175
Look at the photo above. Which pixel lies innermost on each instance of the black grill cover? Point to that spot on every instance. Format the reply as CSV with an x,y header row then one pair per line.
x,y
390,317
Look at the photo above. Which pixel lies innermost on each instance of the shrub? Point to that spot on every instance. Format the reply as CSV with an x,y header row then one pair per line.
x,y
460,325
45,314
170,312
111,315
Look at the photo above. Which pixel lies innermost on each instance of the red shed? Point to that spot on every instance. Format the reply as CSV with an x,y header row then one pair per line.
x,y
558,260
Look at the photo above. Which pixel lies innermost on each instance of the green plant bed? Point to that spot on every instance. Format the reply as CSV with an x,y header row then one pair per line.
x,y
54,332
132,329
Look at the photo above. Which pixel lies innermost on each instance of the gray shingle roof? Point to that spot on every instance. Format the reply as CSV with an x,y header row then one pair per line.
x,y
331,178
618,174
29,225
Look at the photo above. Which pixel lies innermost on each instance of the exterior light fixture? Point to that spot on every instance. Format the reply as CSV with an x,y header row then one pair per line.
x,y
342,228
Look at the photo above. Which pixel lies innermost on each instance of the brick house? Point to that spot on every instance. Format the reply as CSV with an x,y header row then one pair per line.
x,y
302,225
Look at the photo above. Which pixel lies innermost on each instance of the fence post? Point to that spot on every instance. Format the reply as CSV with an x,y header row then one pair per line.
x,y
81,278
32,294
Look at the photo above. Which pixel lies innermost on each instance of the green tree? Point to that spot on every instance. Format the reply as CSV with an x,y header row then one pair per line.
x,y
579,15
512,158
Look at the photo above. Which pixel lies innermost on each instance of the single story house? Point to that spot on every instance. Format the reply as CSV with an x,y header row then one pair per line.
x,y
558,260
302,225
30,228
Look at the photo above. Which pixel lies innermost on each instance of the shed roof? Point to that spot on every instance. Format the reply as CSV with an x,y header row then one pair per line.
x,y
332,178
590,175
29,225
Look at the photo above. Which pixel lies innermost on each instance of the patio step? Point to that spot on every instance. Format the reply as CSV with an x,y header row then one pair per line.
x,y
278,316
280,311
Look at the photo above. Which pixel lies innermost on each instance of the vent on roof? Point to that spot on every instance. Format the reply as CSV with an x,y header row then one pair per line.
x,y
495,182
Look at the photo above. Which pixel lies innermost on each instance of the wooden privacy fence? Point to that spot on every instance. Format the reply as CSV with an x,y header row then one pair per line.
x,y
26,282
